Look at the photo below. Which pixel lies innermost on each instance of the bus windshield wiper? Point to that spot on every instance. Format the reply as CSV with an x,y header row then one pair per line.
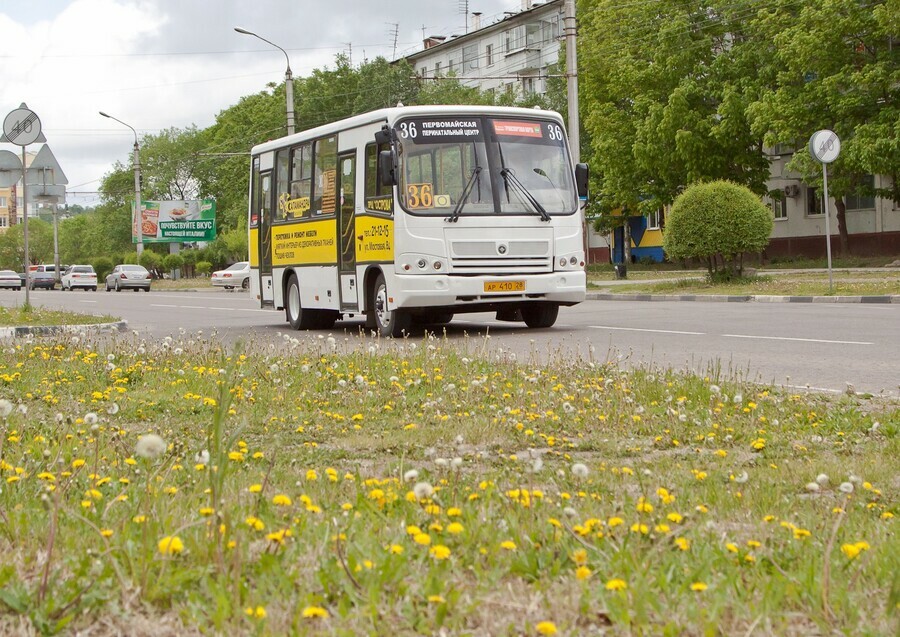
x,y
519,187
454,216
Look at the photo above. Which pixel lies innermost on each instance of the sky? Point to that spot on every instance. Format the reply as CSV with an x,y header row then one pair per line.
x,y
158,64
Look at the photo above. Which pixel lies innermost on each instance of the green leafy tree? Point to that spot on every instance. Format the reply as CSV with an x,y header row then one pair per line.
x,y
103,266
40,244
717,222
838,68
204,267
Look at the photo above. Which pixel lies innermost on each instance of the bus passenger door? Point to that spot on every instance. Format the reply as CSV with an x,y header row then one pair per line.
x,y
265,238
347,255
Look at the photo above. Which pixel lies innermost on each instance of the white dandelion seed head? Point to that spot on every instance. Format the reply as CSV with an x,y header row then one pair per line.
x,y
459,439
846,487
181,372
441,462
855,479
738,398
95,429
273,368
570,512
90,418
150,446
110,357
822,480
342,383
568,408
456,463
304,368
647,472
22,409
742,478
580,470
812,487
202,457
537,465
411,475
113,409
6,408
423,490
360,380
59,417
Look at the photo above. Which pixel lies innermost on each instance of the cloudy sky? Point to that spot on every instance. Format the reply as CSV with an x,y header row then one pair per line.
x,y
156,64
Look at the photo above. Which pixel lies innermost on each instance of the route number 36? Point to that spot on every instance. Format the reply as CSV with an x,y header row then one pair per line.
x,y
408,130
419,196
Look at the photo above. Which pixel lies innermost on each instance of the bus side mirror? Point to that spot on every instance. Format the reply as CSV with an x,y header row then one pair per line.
x,y
581,180
386,168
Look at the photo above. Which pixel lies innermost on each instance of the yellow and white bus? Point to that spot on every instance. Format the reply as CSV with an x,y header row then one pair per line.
x,y
415,214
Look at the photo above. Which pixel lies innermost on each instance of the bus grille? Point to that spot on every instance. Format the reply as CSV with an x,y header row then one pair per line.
x,y
500,257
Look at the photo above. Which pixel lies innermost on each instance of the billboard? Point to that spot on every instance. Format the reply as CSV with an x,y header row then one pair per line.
x,y
175,221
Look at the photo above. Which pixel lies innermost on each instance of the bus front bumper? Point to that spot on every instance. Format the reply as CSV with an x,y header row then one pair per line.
x,y
566,288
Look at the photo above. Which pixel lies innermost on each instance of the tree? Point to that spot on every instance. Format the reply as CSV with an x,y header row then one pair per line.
x,y
40,244
666,85
839,68
717,222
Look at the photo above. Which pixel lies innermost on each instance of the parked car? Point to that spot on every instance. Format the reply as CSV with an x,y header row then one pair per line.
x,y
44,276
79,276
9,279
236,275
127,276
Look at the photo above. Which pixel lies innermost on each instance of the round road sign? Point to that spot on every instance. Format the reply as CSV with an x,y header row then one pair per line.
x,y
22,127
825,146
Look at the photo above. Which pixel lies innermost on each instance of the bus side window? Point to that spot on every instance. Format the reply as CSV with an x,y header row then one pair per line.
x,y
378,198
301,181
325,167
281,184
254,197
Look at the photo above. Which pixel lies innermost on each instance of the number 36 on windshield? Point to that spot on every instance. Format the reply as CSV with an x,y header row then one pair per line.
x,y
419,196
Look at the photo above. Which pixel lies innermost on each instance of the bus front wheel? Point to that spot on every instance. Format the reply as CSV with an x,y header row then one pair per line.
x,y
540,314
388,322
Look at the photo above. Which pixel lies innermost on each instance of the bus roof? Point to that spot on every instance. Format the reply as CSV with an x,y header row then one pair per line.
x,y
390,115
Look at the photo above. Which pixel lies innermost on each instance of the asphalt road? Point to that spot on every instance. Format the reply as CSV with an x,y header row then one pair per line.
x,y
817,346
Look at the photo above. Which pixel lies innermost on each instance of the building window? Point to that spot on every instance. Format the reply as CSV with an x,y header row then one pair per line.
x,y
2,202
437,69
3,222
550,29
655,219
778,206
813,202
450,66
489,54
521,36
857,201
470,57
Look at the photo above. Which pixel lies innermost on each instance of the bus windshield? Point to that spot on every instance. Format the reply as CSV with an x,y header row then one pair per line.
x,y
474,165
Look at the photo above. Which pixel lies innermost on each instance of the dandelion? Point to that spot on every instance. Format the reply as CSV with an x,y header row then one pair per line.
x,y
698,587
258,613
411,475
423,490
396,549
546,628
436,599
822,480
852,551
202,458
6,408
90,419
509,545
439,552
281,500
616,585
422,538
683,543
580,470
170,545
846,487
582,573
812,487
150,446
315,612
455,528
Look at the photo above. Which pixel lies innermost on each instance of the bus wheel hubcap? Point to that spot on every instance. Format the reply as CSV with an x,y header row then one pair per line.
x,y
384,317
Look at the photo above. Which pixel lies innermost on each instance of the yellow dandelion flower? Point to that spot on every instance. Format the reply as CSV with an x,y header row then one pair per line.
x,y
315,612
139,519
257,613
546,628
614,522
78,462
436,599
616,585
582,572
454,512
698,587
396,549
412,529
439,552
254,488
887,515
422,538
455,528
579,556
106,532
731,547
281,500
170,545
683,543
311,475
509,545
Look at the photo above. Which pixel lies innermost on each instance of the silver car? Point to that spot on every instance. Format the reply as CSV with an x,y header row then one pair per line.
x,y
127,276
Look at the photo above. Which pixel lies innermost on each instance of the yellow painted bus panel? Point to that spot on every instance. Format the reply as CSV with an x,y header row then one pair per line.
x,y
304,243
253,238
374,239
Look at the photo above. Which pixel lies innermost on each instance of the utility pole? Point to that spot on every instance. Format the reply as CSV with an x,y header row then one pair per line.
x,y
570,28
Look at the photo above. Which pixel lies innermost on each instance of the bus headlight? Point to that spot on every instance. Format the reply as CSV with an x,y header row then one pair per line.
x,y
422,263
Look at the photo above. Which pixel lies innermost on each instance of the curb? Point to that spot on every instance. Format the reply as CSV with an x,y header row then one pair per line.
x,y
758,298
52,330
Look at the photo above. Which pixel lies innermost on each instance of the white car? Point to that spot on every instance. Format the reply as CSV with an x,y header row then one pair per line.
x,y
10,279
236,275
79,276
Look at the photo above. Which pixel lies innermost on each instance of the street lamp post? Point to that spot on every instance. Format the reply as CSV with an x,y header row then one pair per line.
x,y
137,186
288,79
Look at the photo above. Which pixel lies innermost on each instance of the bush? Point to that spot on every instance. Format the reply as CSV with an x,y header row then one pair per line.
x,y
717,222
204,267
102,266
172,261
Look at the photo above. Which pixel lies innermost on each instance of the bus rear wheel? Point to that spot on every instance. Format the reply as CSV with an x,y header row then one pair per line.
x,y
388,322
540,314
299,318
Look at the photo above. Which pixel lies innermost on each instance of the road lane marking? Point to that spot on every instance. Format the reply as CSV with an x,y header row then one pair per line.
x,y
802,340
638,329
205,307
87,301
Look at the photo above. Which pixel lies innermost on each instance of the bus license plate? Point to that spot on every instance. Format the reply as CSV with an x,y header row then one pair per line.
x,y
504,286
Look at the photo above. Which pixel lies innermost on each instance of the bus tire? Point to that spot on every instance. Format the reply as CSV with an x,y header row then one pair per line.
x,y
388,322
298,318
540,314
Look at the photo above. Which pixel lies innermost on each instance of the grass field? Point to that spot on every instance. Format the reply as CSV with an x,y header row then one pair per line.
x,y
12,316
172,488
